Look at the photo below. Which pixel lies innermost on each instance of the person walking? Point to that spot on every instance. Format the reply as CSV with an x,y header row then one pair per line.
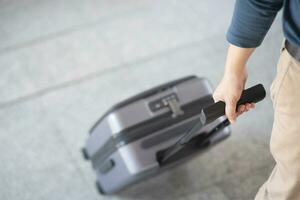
x,y
250,22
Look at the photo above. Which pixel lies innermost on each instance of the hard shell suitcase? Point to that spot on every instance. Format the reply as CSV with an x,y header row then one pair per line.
x,y
140,136
124,143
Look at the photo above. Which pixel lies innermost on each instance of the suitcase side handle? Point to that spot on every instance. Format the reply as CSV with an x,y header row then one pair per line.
x,y
253,94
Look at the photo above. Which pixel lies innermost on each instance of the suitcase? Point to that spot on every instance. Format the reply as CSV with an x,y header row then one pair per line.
x,y
152,132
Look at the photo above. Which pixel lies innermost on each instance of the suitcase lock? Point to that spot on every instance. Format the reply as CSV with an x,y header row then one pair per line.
x,y
174,105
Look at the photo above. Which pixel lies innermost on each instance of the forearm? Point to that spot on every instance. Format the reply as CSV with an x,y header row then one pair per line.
x,y
233,82
250,23
237,58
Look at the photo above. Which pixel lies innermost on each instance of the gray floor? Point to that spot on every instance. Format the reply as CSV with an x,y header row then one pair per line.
x,y
64,63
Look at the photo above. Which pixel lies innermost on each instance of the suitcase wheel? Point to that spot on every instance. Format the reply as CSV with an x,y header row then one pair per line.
x,y
84,154
99,188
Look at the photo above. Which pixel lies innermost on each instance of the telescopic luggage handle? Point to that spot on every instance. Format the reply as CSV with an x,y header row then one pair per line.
x,y
208,114
212,112
251,95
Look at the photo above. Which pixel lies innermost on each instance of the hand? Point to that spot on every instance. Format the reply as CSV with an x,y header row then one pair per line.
x,y
230,89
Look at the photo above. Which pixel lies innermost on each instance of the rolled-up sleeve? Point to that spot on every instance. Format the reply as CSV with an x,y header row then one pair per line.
x,y
251,21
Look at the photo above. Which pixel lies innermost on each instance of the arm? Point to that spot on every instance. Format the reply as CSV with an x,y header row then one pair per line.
x,y
237,58
231,86
250,23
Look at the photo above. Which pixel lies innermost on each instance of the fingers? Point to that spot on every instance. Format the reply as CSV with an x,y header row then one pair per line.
x,y
249,106
241,109
230,97
244,108
232,113
230,110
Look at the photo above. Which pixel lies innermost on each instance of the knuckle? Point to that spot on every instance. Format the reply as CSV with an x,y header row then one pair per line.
x,y
229,112
234,98
215,96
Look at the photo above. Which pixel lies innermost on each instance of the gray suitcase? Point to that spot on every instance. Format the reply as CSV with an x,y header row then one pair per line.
x,y
136,138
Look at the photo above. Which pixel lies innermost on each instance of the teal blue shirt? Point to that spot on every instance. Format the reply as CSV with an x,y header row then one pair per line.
x,y
252,19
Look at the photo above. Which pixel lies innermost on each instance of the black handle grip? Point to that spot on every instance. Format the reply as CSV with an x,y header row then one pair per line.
x,y
251,95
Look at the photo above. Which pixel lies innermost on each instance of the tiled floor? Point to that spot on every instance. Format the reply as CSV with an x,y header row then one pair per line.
x,y
64,63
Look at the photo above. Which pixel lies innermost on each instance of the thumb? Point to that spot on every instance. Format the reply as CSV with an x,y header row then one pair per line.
x,y
230,110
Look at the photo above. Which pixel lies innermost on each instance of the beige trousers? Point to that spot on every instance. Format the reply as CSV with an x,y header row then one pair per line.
x,y
284,181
